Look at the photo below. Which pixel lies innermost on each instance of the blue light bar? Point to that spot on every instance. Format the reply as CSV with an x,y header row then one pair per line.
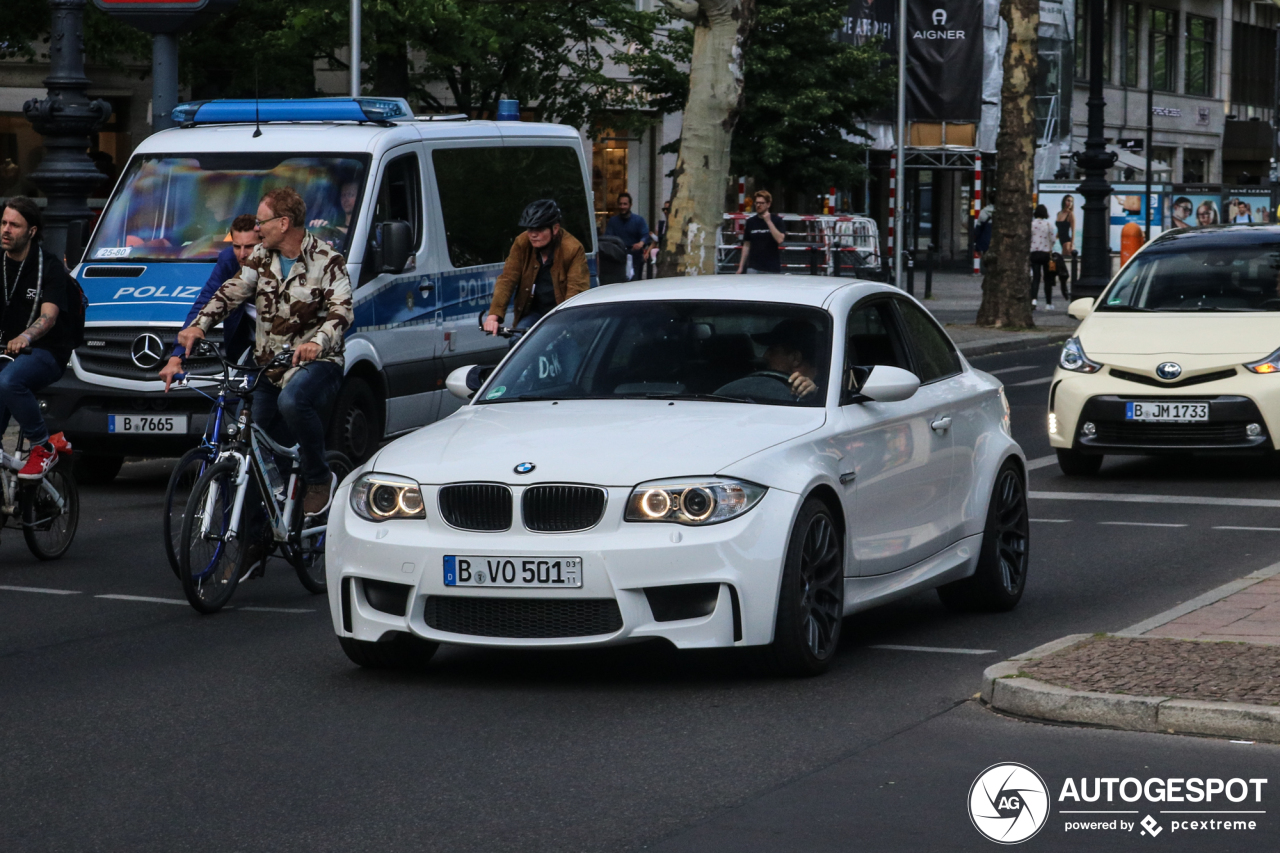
x,y
301,109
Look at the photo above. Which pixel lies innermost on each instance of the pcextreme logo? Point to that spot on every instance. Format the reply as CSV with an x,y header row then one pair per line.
x,y
1008,803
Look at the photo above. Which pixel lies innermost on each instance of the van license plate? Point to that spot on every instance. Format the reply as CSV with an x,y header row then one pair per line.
x,y
147,423
555,572
1167,412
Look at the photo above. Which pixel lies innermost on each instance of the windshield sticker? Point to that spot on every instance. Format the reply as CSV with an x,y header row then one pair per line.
x,y
496,392
120,252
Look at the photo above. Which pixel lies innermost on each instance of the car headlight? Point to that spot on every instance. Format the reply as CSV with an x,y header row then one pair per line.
x,y
692,502
381,497
1074,359
1270,364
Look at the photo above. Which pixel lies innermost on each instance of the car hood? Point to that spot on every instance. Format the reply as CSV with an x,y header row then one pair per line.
x,y
1244,337
605,442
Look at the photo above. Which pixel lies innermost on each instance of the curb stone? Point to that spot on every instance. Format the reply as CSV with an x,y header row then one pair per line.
x,y
1004,688
988,346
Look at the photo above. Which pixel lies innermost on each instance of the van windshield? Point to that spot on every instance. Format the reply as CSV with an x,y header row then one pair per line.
x,y
171,207
1212,278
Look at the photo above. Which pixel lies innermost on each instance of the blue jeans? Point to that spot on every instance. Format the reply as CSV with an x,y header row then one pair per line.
x,y
20,379
296,415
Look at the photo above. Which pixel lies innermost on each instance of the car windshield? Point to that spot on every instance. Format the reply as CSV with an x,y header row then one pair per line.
x,y
171,208
1223,278
733,352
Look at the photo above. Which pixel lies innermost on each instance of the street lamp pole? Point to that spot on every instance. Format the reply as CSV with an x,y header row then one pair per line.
x,y
900,237
1095,161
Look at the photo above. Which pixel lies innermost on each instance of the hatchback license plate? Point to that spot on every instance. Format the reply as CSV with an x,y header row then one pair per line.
x,y
1167,412
558,572
147,423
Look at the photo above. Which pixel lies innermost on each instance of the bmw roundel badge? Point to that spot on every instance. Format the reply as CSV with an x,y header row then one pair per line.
x,y
525,467
1169,370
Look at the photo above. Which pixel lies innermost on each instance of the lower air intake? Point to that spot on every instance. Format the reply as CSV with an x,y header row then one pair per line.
x,y
524,618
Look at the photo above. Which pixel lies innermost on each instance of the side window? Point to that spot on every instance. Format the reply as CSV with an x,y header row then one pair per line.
x,y
400,195
484,190
935,357
871,338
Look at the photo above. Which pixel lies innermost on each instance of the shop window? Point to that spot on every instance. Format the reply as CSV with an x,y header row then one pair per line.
x,y
1201,34
608,175
1082,43
1132,23
1195,166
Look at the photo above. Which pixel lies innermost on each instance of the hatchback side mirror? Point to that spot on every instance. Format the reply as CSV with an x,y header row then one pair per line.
x,y
1080,308
392,246
464,382
889,384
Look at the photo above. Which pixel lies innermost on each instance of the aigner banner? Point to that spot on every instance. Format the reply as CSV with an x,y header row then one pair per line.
x,y
944,60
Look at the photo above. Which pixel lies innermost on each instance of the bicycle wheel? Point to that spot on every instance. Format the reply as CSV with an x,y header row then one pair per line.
x,y
308,557
48,529
189,468
207,561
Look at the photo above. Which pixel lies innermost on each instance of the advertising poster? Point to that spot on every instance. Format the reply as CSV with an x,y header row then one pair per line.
x,y
1246,204
1129,204
1063,202
1195,205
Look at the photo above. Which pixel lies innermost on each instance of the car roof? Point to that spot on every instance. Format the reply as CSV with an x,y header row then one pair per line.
x,y
793,289
1215,236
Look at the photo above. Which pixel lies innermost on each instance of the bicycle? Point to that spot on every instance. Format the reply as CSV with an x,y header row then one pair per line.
x,y
211,545
47,510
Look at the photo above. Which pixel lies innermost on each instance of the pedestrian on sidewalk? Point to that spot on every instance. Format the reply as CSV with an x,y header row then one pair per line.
x,y
761,236
982,233
632,230
1043,235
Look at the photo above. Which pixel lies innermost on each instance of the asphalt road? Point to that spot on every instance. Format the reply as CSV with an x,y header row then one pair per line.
x,y
131,723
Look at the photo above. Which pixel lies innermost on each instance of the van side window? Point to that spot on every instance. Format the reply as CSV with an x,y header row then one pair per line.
x,y
484,190
935,357
400,196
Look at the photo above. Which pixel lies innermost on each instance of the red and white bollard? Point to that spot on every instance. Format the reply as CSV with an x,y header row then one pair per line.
x,y
742,195
977,206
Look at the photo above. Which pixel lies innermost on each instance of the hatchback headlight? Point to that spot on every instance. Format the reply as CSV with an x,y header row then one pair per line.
x,y
1074,359
381,497
1270,364
692,502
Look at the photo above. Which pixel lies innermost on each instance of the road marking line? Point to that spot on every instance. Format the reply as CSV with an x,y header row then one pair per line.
x,y
1094,811
1004,370
1140,524
1044,380
936,649
1216,594
144,598
41,589
1152,499
1230,527
279,609
1052,520
1042,462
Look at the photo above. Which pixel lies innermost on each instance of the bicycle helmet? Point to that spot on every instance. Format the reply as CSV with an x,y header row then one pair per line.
x,y
542,213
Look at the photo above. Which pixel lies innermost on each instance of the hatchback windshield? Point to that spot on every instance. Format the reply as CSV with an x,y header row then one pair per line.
x,y
1223,278
738,352
181,207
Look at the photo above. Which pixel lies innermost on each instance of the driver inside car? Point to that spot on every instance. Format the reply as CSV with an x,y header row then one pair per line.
x,y
792,347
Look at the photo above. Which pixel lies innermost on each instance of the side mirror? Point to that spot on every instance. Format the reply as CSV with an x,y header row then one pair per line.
x,y
392,246
1080,308
889,384
464,382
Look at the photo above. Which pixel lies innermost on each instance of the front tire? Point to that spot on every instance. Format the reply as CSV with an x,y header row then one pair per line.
x,y
811,599
401,651
209,568
1076,464
1001,576
48,530
308,558
181,481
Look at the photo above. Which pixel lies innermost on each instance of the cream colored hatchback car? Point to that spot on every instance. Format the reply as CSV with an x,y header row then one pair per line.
x,y
1180,354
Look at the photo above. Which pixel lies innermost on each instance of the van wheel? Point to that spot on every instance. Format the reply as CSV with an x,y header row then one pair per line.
x,y
95,470
355,428
1076,464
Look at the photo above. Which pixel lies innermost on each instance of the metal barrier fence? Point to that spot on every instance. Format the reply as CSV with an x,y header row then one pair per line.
x,y
814,245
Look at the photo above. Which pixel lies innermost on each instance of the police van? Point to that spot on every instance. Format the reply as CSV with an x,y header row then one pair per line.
x,y
424,208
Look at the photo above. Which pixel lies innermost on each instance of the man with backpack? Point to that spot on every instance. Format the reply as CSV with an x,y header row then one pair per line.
x,y
37,292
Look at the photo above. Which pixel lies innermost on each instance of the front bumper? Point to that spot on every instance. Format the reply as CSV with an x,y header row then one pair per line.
x,y
1235,402
742,557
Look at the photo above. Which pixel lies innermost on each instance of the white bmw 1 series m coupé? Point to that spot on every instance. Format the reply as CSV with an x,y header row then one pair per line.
x,y
714,461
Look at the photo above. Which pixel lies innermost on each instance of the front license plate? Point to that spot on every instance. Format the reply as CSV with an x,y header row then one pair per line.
x,y
513,571
147,423
1170,412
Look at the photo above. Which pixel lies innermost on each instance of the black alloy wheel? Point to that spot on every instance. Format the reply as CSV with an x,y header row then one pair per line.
x,y
355,428
1001,576
811,599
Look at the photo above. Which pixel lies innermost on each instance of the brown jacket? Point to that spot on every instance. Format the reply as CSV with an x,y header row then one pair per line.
x,y
569,273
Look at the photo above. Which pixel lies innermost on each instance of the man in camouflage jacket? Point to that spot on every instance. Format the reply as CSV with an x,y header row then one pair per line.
x,y
302,297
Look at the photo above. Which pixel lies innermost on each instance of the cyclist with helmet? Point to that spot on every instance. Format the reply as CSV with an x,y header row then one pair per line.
x,y
546,266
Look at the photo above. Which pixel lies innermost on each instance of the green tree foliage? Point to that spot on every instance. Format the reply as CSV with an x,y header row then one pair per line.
x,y
24,34
805,94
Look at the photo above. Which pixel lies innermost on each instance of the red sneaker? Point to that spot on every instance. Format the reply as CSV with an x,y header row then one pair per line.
x,y
39,461
60,444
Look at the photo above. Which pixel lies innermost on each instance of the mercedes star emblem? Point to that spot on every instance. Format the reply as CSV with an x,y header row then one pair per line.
x,y
147,351
1170,370
525,467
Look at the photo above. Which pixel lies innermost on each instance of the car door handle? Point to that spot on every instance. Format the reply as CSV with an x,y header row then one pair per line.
x,y
424,289
846,479
942,424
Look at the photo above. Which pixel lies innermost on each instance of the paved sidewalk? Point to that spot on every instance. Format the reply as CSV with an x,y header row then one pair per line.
x,y
955,302
1210,666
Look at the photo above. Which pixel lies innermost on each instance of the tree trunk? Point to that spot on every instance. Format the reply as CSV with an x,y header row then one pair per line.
x,y
1006,281
715,99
